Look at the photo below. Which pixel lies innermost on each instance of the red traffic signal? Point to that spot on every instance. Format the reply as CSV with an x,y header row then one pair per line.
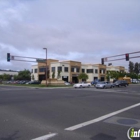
x,y
127,57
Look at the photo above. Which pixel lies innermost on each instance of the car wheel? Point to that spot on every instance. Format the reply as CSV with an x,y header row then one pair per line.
x,y
104,87
80,86
110,86
88,86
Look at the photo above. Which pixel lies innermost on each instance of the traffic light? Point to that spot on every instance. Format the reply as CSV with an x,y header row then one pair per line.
x,y
8,57
102,61
127,57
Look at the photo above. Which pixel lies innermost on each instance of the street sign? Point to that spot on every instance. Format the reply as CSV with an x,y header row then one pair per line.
x,y
105,59
12,57
41,60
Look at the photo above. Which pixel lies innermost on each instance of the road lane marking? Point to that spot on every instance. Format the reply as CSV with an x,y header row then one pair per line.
x,y
46,137
100,118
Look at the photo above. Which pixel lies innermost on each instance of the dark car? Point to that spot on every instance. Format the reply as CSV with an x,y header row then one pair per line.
x,y
121,83
34,82
95,82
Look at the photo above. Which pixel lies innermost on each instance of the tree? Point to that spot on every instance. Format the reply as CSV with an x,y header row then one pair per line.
x,y
83,76
1,77
24,75
15,77
115,74
122,73
53,75
33,77
59,74
132,75
136,68
6,77
139,67
131,67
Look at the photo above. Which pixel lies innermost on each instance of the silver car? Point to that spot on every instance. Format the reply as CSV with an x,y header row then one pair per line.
x,y
104,85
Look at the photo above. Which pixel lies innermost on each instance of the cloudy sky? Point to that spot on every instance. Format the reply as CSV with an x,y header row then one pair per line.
x,y
80,30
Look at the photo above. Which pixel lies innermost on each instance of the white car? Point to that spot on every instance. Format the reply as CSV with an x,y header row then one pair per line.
x,y
134,81
67,83
82,85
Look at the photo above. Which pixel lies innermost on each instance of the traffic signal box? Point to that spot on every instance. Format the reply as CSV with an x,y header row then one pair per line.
x,y
102,61
8,57
127,57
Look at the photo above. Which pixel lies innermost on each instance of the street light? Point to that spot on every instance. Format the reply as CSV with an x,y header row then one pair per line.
x,y
46,65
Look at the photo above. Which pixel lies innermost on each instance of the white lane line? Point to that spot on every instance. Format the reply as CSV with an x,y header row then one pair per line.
x,y
46,137
100,118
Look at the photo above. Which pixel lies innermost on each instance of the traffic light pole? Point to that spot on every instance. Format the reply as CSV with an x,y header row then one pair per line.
x,y
39,60
106,59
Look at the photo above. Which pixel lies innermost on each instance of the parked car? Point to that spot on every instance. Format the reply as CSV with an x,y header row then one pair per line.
x,y
95,82
104,85
134,81
67,83
33,82
121,83
82,85
24,82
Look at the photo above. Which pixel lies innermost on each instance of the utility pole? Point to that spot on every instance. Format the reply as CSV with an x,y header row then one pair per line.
x,y
46,66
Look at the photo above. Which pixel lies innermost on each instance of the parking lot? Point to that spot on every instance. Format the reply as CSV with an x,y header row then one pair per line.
x,y
68,113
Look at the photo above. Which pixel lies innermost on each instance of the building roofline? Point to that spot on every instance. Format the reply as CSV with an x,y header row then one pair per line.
x,y
71,61
8,71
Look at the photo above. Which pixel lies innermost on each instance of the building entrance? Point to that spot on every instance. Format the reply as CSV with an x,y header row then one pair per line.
x,y
42,77
102,78
65,78
75,79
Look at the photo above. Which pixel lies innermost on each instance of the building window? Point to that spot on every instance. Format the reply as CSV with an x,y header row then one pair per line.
x,y
77,69
35,70
53,69
96,70
72,69
102,71
95,78
59,68
89,70
66,69
83,70
42,69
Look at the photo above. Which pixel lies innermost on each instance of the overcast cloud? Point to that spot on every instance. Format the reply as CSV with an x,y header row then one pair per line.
x,y
80,30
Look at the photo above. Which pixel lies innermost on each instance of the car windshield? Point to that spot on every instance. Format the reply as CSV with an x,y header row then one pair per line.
x,y
101,82
117,81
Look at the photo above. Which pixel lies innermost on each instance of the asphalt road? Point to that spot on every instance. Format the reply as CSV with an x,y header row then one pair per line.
x,y
68,114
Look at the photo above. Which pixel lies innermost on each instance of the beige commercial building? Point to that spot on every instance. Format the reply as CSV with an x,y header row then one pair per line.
x,y
10,72
69,70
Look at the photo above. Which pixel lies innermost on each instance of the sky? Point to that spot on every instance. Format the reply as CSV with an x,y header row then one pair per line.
x,y
78,30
